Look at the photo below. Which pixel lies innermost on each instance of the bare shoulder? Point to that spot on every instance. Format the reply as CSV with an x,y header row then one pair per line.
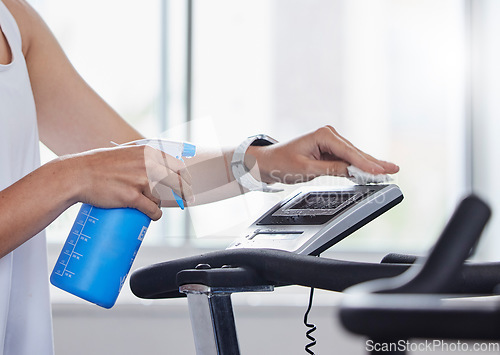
x,y
27,20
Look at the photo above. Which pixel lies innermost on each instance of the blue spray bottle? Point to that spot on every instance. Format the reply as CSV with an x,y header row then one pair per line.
x,y
102,244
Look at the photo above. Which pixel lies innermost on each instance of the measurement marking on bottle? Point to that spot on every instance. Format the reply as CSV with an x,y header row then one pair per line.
x,y
74,245
84,235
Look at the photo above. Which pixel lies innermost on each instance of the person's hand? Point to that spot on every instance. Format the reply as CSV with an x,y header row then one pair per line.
x,y
322,152
133,176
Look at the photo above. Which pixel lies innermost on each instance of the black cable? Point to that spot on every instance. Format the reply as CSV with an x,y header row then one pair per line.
x,y
309,325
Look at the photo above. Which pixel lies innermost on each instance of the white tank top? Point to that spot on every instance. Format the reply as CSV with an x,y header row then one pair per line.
x,y
25,314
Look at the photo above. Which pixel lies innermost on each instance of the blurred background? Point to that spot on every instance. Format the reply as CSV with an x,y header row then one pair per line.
x,y
415,82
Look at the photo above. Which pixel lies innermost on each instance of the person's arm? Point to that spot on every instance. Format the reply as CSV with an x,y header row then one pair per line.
x,y
321,152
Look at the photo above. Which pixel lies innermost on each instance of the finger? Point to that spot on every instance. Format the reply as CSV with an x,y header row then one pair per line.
x,y
185,175
149,193
178,166
177,183
155,158
148,207
390,168
174,183
168,199
184,190
165,193
332,143
157,172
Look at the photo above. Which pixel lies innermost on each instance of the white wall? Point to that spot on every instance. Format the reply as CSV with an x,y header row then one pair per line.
x,y
139,329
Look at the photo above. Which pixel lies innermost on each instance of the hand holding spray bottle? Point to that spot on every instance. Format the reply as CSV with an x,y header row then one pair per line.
x,y
102,244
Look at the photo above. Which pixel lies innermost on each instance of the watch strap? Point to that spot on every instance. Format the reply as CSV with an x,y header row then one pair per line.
x,y
240,171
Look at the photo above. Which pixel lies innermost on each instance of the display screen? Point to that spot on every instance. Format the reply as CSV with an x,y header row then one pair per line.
x,y
316,207
313,208
322,201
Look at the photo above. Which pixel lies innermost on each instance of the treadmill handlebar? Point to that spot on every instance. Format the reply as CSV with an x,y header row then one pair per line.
x,y
271,267
278,268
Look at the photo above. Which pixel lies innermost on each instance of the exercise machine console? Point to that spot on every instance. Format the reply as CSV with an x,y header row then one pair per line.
x,y
311,220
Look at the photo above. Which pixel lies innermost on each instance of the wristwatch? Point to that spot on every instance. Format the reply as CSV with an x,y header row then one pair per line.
x,y
240,171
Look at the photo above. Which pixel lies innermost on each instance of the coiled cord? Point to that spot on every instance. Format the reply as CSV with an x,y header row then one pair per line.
x,y
311,326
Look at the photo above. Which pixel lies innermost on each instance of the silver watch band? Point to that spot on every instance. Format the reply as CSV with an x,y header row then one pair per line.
x,y
241,173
